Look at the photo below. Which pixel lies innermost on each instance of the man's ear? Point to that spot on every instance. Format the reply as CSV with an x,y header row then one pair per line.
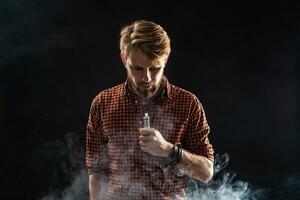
x,y
166,59
122,56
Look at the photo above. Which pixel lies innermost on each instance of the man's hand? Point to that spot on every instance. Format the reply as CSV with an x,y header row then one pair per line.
x,y
152,142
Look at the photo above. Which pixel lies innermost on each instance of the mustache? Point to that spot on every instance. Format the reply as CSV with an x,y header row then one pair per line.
x,y
145,84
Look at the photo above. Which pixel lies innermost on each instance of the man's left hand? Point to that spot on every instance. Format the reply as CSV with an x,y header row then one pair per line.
x,y
152,142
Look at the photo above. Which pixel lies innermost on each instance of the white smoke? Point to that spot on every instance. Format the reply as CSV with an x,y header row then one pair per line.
x,y
66,158
224,189
74,191
223,185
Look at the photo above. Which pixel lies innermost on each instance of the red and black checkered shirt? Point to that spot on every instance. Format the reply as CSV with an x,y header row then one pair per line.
x,y
112,140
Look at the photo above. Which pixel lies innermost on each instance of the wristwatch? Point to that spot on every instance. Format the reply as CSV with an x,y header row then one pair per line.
x,y
175,156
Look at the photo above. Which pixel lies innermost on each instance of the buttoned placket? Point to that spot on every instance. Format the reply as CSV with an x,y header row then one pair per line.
x,y
137,108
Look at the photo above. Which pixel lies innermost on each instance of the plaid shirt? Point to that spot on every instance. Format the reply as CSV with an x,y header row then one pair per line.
x,y
112,143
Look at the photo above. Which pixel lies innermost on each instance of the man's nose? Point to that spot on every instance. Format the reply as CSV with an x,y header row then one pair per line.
x,y
147,76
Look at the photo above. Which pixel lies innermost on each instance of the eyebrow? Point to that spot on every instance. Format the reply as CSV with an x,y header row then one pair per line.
x,y
138,66
135,66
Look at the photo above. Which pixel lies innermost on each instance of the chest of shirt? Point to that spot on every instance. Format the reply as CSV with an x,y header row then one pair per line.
x,y
121,121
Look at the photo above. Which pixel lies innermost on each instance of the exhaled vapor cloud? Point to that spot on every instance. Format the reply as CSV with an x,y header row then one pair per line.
x,y
223,186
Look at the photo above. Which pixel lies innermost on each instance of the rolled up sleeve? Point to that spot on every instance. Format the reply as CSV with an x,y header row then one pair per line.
x,y
96,142
196,137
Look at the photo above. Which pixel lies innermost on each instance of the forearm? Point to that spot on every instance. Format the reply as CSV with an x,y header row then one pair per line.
x,y
195,166
97,186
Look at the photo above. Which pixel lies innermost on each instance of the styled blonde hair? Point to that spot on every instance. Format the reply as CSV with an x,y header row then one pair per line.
x,y
146,37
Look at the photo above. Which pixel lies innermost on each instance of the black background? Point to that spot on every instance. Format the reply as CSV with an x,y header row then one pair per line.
x,y
239,59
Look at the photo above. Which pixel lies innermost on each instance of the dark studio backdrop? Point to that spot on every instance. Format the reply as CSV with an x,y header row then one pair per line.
x,y
240,60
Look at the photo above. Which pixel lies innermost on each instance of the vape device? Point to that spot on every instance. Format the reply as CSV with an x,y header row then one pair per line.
x,y
146,121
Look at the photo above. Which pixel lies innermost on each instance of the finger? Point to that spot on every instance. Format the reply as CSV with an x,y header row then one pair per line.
x,y
146,138
144,148
146,134
147,131
143,143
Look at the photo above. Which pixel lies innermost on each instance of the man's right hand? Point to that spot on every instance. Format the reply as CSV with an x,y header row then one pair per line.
x,y
97,186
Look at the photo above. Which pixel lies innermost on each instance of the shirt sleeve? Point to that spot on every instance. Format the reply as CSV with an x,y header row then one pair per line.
x,y
96,142
196,137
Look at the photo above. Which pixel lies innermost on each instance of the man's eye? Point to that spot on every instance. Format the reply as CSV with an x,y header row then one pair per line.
x,y
138,68
154,68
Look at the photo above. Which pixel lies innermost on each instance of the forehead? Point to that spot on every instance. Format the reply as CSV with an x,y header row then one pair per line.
x,y
135,57
139,59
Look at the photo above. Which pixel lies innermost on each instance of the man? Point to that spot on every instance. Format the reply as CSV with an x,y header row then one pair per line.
x,y
126,161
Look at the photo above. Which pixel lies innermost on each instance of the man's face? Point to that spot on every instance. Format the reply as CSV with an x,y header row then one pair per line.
x,y
145,77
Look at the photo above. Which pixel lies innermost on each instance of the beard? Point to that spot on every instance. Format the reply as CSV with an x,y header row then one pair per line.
x,y
146,91
143,90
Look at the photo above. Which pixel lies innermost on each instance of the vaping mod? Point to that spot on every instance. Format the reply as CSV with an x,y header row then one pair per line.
x,y
146,119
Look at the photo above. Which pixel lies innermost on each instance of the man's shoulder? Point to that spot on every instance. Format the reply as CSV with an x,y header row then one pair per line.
x,y
109,93
181,93
185,97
